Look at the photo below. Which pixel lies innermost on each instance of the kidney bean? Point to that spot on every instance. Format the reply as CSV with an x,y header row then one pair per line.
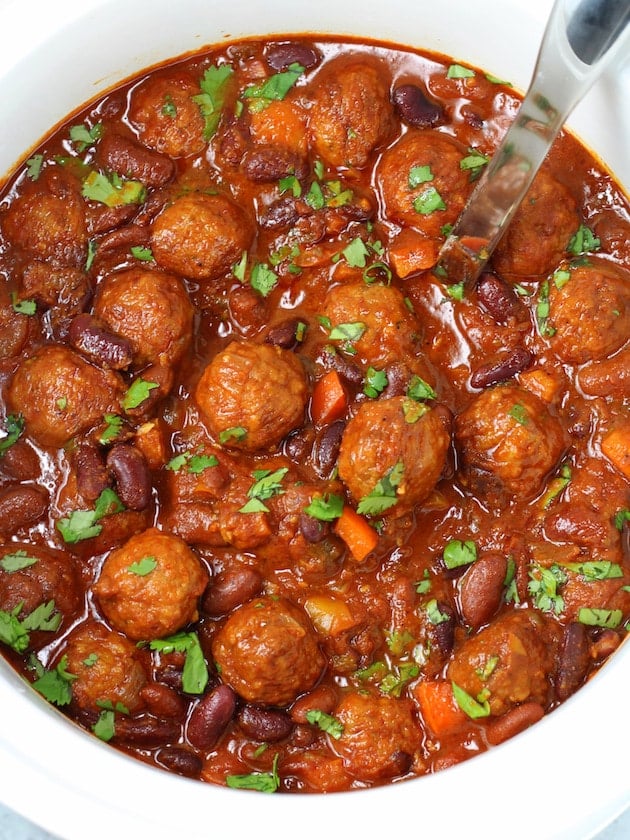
x,y
313,530
230,589
348,370
605,643
481,589
574,660
323,698
326,448
210,717
284,334
180,761
145,731
88,336
625,541
163,701
91,472
21,505
125,237
102,219
443,634
298,446
496,296
282,213
415,108
264,724
129,467
398,376
132,160
270,163
280,56
513,722
20,461
510,364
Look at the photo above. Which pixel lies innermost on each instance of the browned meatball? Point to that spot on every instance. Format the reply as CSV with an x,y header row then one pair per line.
x,y
422,183
387,439
48,220
590,312
151,310
32,576
166,117
59,394
257,389
351,113
200,235
389,326
267,652
108,667
150,587
539,234
13,326
511,661
64,290
380,737
508,442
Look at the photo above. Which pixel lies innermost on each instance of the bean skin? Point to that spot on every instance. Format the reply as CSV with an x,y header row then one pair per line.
x,y
284,334
181,761
21,505
163,701
129,467
270,163
264,724
93,340
574,660
230,589
91,472
280,56
415,108
210,717
132,160
496,297
145,731
21,462
505,368
513,722
326,448
481,589
323,698
313,530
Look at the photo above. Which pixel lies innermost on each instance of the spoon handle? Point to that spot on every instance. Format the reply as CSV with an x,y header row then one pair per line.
x,y
581,38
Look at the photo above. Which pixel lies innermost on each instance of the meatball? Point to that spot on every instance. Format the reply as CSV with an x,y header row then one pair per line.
x,y
166,117
422,183
149,309
380,736
31,576
390,327
267,652
48,220
590,313
200,235
397,440
107,666
13,326
351,113
258,388
59,394
510,662
537,238
149,588
508,442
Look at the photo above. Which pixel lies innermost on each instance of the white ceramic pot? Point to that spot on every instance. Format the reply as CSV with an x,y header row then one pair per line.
x,y
562,779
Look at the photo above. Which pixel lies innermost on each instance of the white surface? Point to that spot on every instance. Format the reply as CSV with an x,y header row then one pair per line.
x,y
561,780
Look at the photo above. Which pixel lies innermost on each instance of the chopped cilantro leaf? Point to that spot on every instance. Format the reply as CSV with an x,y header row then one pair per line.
x,y
263,279
56,685
459,553
419,390
213,86
594,617
84,524
542,310
543,587
519,413
83,137
113,425
34,166
394,682
473,163
621,517
262,782
137,393
458,71
113,191
104,728
17,561
434,613
456,290
267,484
326,508
383,496
195,673
142,253
473,708
23,307
13,428
233,433
375,382
356,253
419,175
276,86
143,567
347,332
327,723
290,184
583,241
428,201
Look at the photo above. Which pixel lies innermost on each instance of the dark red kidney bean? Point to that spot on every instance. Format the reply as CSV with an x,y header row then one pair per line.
x,y
129,467
280,56
101,219
443,634
481,589
471,118
264,724
496,296
415,108
20,461
163,701
210,717
323,698
282,213
398,376
326,448
625,540
230,589
574,660
284,334
298,446
21,505
401,762
132,160
270,163
513,722
88,336
126,237
348,370
505,368
604,643
91,472
313,530
181,761
145,731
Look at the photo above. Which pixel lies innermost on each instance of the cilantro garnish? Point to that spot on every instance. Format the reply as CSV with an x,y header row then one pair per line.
x,y
195,672
14,631
519,413
394,682
83,137
276,86
17,561
621,517
327,723
473,163
263,782
137,393
142,253
233,433
595,617
113,191
211,99
263,279
23,307
266,485
326,508
56,685
375,382
434,613
195,463
347,332
543,587
13,428
556,485
459,553
84,524
383,496
458,71
356,253
420,390
596,569
542,310
419,175
428,202
143,567
473,708
34,166
583,241
113,425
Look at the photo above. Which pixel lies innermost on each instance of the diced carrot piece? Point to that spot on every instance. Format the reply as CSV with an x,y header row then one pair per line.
x,y
357,533
150,441
438,706
411,251
540,383
616,447
329,400
330,616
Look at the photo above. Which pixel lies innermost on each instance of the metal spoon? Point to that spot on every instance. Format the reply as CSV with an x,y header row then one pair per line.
x,y
581,39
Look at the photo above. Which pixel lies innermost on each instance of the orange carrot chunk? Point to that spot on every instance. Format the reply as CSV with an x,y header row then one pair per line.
x,y
357,533
329,400
616,447
438,707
